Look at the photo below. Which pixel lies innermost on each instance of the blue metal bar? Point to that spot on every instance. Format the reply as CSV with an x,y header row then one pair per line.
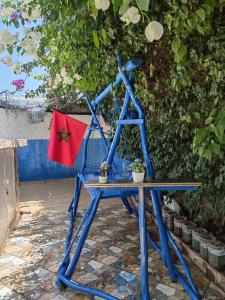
x,y
130,122
66,259
165,251
144,246
94,203
191,290
127,205
116,138
130,66
183,262
79,287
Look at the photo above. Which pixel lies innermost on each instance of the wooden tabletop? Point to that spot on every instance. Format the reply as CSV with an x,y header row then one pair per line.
x,y
151,183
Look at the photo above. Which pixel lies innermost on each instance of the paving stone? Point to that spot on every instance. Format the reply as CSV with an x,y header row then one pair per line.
x,y
122,223
95,264
165,289
87,278
132,238
90,242
115,250
121,292
109,260
108,232
102,239
9,261
127,276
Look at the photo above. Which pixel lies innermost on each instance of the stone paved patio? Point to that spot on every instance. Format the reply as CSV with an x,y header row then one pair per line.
x,y
110,258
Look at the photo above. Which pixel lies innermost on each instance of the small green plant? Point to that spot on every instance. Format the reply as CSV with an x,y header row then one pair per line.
x,y
104,169
138,166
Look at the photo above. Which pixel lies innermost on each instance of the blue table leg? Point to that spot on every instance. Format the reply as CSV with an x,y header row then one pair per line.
x,y
144,246
165,251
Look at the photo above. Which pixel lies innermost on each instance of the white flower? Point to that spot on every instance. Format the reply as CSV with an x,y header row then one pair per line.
x,y
2,47
36,13
26,43
131,15
7,60
25,14
35,35
26,31
16,68
5,11
102,4
77,76
6,36
154,31
67,80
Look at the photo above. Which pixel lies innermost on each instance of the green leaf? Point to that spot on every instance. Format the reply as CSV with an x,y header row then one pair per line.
x,y
182,51
143,4
176,45
197,115
215,148
201,13
96,39
201,134
124,7
208,120
117,4
207,153
219,131
10,49
16,24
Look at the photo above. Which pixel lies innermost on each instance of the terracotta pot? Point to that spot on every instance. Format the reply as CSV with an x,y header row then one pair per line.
x,y
196,233
216,255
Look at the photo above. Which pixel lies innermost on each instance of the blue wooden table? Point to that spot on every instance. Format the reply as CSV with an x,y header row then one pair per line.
x,y
116,186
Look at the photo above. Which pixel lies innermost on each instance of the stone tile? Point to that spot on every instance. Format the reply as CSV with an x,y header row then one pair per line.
x,y
90,242
108,232
9,261
165,289
95,264
115,250
109,260
86,278
121,292
132,238
102,239
127,276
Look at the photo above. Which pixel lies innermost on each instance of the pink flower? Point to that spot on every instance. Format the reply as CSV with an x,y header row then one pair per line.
x,y
19,84
16,15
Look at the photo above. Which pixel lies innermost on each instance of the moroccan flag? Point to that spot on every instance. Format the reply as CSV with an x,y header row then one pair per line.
x,y
65,139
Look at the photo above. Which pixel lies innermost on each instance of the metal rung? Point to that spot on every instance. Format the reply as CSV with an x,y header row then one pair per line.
x,y
130,122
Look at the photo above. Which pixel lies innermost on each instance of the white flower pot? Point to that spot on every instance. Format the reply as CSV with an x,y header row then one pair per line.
x,y
102,179
138,177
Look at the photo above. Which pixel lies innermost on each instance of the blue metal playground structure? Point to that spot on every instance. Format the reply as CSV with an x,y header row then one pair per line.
x,y
68,265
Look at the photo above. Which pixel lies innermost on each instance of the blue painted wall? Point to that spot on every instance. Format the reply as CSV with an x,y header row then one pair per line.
x,y
33,163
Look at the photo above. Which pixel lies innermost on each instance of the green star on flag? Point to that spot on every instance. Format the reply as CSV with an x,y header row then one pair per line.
x,y
64,135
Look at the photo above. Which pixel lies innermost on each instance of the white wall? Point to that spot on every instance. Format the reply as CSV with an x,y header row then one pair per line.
x,y
14,124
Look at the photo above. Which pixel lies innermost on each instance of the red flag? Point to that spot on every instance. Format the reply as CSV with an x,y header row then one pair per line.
x,y
65,139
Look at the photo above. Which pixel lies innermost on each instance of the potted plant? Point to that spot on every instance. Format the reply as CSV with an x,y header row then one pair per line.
x,y
104,168
138,170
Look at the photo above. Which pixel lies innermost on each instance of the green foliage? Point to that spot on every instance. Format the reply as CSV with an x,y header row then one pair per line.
x,y
180,83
